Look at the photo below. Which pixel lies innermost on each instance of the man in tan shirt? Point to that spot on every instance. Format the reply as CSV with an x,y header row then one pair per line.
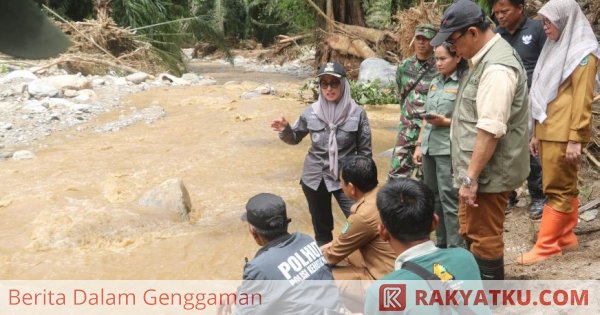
x,y
488,134
359,250
359,253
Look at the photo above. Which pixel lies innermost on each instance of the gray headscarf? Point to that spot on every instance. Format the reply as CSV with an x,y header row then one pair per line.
x,y
335,114
558,59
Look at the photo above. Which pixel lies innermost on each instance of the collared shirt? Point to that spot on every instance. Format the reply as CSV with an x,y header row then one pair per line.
x,y
452,265
361,233
416,251
440,100
528,40
495,93
570,113
353,137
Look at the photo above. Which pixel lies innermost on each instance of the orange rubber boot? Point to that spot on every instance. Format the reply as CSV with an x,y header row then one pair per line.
x,y
551,229
568,241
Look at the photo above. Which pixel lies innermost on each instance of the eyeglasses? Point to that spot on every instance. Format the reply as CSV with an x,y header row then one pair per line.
x,y
452,42
334,84
546,22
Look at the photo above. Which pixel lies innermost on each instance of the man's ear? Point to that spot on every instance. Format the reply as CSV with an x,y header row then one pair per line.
x,y
383,232
255,236
474,32
352,189
435,222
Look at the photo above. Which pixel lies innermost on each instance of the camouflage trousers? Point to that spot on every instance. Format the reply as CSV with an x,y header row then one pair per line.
x,y
402,159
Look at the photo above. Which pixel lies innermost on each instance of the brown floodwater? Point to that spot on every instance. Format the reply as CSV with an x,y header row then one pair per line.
x,y
72,213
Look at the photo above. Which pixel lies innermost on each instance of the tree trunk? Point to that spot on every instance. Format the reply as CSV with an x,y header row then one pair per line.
x,y
220,14
348,46
330,15
341,11
354,14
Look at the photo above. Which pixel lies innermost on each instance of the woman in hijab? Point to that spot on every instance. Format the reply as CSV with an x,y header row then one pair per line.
x,y
337,127
561,105
432,150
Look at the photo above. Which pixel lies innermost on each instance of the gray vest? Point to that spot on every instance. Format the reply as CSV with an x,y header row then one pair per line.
x,y
509,165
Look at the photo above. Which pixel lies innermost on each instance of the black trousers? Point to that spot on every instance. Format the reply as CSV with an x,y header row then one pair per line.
x,y
534,180
319,205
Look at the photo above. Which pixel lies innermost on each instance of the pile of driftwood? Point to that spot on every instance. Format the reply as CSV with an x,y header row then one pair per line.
x,y
99,46
351,44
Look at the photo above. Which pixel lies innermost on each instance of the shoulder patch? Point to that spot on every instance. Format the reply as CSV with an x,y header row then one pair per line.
x,y
585,61
346,227
442,273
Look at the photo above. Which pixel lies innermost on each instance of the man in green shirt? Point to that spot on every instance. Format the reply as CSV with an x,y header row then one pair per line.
x,y
407,214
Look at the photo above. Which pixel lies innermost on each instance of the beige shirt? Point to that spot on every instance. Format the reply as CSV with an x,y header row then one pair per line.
x,y
360,233
495,93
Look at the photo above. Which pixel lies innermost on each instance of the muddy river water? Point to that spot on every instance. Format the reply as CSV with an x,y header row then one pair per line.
x,y
72,213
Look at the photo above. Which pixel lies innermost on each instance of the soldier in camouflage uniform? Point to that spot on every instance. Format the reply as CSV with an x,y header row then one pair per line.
x,y
412,98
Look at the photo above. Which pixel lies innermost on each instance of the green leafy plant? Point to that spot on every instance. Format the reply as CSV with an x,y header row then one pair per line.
x,y
371,92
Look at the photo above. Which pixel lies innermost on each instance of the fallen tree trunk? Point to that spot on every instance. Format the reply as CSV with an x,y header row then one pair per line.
x,y
282,39
346,46
369,34
363,49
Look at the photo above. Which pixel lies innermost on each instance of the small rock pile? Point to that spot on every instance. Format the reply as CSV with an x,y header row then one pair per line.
x,y
33,106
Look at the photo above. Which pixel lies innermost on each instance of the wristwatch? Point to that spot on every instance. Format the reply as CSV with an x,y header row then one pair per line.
x,y
466,181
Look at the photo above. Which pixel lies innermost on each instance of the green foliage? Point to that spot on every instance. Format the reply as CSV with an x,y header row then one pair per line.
x,y
137,13
268,18
208,25
363,93
300,16
235,18
310,86
486,5
373,93
76,10
377,13
165,38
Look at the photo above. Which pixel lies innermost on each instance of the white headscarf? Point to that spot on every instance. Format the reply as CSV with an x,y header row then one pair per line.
x,y
558,59
335,114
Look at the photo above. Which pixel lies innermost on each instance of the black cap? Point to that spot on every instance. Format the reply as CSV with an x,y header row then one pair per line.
x,y
266,212
332,68
460,15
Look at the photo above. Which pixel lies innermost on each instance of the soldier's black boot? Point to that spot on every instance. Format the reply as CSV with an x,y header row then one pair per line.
x,y
491,269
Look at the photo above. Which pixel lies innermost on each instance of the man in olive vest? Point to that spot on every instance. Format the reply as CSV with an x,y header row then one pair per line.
x,y
488,134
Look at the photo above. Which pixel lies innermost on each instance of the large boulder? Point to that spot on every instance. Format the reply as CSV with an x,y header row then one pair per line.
x,y
171,195
372,69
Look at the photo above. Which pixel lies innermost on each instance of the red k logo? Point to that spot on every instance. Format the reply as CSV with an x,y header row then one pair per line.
x,y
392,297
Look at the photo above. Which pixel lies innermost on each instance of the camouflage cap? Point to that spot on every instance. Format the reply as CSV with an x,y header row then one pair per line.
x,y
426,30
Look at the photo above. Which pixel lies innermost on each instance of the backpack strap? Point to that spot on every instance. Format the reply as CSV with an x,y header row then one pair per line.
x,y
435,283
419,271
